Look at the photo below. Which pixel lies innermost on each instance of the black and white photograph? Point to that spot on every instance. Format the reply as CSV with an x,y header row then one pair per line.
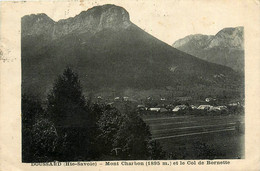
x,y
99,86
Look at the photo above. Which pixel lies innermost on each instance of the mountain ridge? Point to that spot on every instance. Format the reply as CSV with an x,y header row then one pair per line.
x,y
225,48
96,18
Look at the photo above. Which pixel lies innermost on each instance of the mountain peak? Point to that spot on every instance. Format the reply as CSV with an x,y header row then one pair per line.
x,y
36,24
93,20
108,10
231,31
231,37
225,48
106,16
36,17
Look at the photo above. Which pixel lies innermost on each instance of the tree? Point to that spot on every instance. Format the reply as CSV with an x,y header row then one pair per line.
x,y
205,151
133,137
126,136
31,112
95,112
109,124
66,103
155,151
66,108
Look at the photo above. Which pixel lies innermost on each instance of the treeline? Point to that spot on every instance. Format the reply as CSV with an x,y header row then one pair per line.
x,y
71,128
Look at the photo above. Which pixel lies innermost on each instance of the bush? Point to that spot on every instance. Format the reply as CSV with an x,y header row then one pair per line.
x,y
31,112
44,140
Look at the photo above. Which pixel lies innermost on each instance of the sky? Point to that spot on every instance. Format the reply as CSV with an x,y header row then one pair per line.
x,y
167,20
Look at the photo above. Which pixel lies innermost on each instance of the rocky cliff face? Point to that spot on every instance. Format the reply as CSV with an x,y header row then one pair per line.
x,y
225,48
36,25
197,41
92,21
232,38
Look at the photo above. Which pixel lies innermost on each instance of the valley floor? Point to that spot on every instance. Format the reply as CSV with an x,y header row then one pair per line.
x,y
199,137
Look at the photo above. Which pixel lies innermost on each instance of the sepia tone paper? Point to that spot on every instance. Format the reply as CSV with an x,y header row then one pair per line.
x,y
146,14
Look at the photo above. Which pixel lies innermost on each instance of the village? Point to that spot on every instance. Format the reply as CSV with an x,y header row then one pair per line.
x,y
178,105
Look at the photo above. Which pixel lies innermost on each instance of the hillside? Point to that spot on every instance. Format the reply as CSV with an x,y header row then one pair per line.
x,y
225,48
111,54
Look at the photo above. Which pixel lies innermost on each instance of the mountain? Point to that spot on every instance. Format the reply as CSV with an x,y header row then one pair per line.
x,y
111,54
225,48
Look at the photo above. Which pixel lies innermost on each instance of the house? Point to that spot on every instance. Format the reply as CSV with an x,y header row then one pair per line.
x,y
126,98
205,107
179,107
219,108
234,104
117,99
193,107
157,109
141,107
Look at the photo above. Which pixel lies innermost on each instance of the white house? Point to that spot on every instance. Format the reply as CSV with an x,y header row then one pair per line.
x,y
205,107
219,108
234,104
157,109
179,107
117,98
193,106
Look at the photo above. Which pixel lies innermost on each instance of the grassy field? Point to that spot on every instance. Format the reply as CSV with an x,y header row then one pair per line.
x,y
198,137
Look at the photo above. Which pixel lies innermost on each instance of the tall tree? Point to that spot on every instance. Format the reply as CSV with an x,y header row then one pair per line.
x,y
66,103
66,107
